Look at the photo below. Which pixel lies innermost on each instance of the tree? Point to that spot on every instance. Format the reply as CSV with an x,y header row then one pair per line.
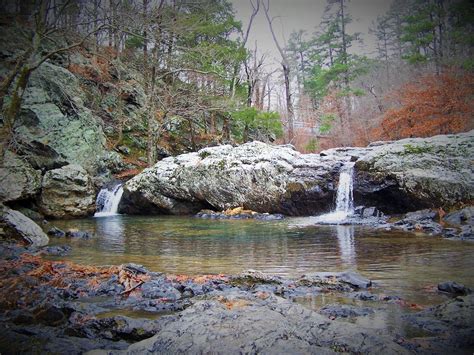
x,y
48,21
286,72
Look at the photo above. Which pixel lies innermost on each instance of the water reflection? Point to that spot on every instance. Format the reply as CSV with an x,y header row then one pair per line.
x,y
345,240
397,262
112,232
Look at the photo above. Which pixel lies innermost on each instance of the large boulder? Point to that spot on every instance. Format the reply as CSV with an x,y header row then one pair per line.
x,y
395,176
15,225
54,127
67,192
416,173
256,176
18,180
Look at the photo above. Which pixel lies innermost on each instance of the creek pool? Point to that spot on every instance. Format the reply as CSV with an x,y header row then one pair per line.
x,y
402,264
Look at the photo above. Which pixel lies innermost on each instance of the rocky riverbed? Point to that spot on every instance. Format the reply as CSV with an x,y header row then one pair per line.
x,y
53,306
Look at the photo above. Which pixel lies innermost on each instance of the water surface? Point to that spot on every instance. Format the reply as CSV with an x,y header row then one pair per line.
x,y
402,264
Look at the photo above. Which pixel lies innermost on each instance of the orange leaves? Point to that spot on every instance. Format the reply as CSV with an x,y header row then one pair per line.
x,y
430,105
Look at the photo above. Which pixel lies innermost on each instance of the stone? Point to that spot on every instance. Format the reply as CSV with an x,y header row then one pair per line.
x,y
453,288
256,176
54,122
67,192
78,234
416,173
18,226
460,217
18,179
345,311
56,232
391,178
254,326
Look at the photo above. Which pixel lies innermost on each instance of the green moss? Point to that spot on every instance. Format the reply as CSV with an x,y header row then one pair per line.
x,y
204,154
416,149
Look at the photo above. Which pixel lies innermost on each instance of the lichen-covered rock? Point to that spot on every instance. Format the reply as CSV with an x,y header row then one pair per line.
x,y
54,116
256,176
416,173
18,180
67,192
395,177
16,225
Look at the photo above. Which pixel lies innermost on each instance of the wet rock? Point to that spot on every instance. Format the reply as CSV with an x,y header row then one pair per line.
x,y
421,221
17,226
252,277
56,232
339,280
209,214
254,326
67,192
449,318
62,250
114,328
72,233
159,289
364,296
461,217
453,288
345,311
367,212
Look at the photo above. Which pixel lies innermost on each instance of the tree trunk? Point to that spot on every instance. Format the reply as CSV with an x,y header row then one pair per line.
x,y
11,112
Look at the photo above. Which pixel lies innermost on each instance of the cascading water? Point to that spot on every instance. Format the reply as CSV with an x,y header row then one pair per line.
x,y
344,197
108,201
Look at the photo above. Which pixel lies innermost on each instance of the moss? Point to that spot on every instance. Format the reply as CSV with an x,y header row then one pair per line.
x,y
416,149
221,164
204,154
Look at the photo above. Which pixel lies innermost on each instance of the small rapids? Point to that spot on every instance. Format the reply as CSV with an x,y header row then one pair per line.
x,y
108,201
344,197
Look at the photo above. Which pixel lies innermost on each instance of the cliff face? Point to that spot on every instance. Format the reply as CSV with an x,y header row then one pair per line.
x,y
68,118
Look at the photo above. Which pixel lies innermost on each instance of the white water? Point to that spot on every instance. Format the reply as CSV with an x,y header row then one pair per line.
x,y
110,200
344,198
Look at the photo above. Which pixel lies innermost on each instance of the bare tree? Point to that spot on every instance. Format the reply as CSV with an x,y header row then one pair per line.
x,y
286,73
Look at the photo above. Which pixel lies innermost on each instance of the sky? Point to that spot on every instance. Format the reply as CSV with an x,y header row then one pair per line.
x,y
306,15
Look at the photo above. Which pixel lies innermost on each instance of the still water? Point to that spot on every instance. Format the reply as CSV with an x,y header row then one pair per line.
x,y
402,264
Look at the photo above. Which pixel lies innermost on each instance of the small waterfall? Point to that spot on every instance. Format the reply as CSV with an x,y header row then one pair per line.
x,y
108,200
344,197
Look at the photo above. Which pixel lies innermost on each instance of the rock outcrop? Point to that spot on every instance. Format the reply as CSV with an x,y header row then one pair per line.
x,y
53,117
18,180
256,176
67,192
416,173
15,225
395,177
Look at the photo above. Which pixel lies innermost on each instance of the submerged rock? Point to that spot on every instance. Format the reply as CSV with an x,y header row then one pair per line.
x,y
67,192
453,288
17,226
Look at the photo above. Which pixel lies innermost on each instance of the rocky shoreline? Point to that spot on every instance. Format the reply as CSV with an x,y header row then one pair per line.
x,y
50,306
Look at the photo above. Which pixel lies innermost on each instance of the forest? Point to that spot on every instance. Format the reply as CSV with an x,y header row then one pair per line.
x,y
222,176
203,84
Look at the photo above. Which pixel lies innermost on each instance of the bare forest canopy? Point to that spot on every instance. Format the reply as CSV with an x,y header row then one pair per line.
x,y
202,82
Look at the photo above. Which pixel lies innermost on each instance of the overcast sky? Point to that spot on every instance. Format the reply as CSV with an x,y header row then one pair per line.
x,y
306,15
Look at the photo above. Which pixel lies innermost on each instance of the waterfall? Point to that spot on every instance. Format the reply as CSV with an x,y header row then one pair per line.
x,y
344,197
108,200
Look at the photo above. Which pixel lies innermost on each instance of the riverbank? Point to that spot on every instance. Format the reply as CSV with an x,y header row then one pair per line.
x,y
50,306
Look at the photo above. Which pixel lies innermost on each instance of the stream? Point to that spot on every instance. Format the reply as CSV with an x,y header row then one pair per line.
x,y
398,263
